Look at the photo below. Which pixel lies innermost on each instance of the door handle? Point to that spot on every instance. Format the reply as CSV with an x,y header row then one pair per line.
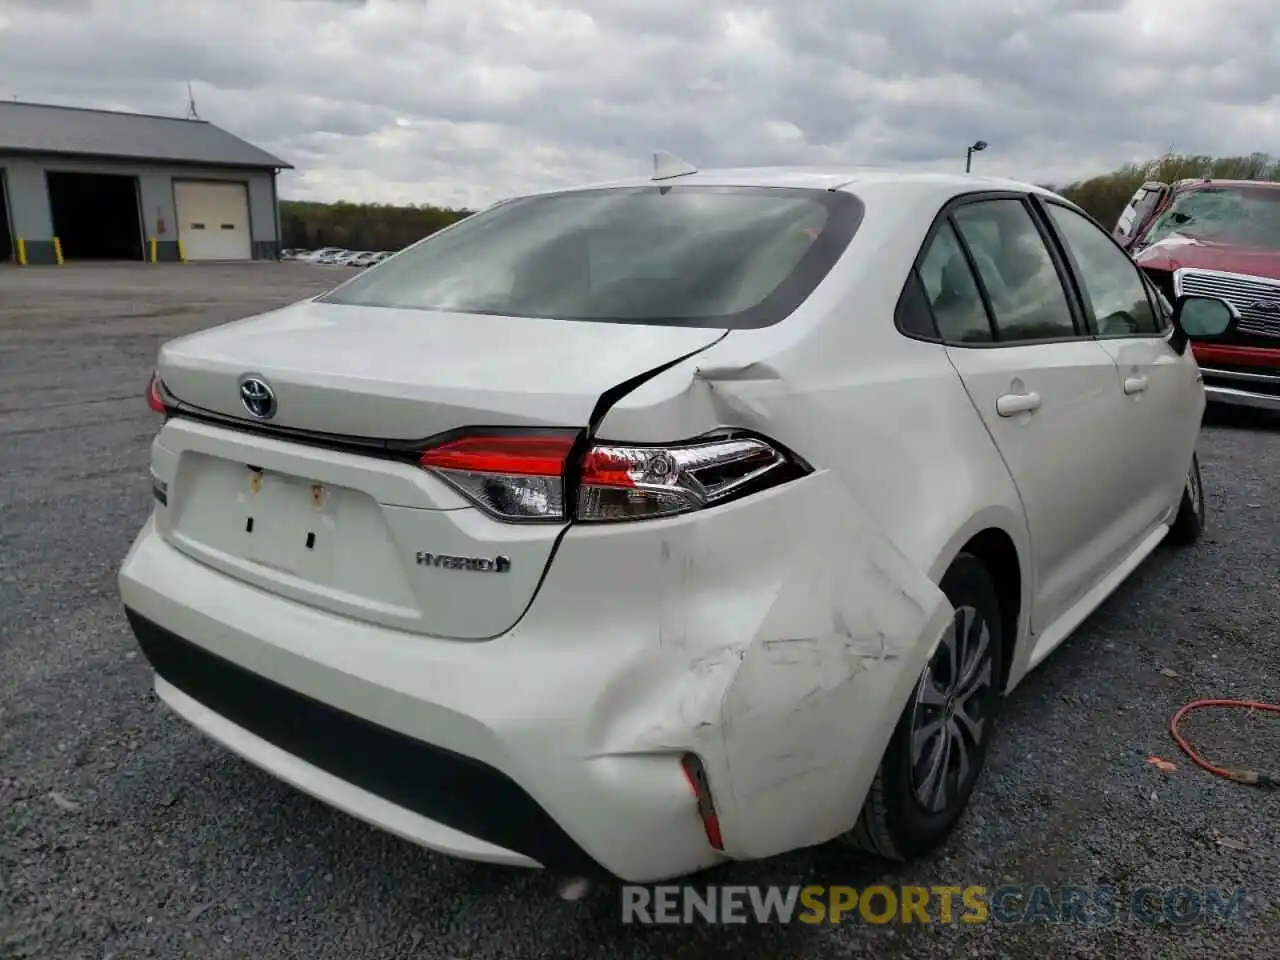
x,y
1012,404
1134,385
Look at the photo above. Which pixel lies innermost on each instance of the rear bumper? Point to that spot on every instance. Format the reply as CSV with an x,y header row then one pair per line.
x,y
1258,390
757,636
464,748
443,799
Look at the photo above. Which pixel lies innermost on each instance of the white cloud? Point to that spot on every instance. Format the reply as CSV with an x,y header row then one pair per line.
x,y
463,101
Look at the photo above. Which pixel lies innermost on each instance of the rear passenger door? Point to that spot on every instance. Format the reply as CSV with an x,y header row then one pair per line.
x,y
1161,397
1045,389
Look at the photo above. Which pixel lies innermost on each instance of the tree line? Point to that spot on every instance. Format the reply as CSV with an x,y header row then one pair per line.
x,y
360,226
376,226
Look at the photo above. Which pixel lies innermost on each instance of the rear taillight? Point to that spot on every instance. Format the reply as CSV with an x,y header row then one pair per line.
x,y
512,476
632,483
537,477
155,399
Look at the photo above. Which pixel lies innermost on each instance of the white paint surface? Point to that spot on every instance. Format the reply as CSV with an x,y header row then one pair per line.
x,y
777,636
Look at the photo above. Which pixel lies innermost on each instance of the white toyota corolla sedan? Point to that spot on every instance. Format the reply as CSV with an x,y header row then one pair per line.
x,y
626,530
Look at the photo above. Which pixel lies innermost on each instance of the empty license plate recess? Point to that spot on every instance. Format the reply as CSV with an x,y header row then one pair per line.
x,y
331,536
290,523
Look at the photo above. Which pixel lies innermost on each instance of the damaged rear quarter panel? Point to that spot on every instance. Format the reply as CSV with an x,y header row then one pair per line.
x,y
794,633
788,633
820,685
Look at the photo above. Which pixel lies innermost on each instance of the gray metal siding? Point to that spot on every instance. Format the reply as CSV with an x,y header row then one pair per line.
x,y
29,198
262,210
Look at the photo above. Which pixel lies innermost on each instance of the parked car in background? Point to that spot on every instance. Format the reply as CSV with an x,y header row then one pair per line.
x,y
322,254
1222,238
336,255
634,529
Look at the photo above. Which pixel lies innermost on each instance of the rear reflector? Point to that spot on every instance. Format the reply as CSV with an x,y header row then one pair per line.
x,y
160,490
155,400
697,777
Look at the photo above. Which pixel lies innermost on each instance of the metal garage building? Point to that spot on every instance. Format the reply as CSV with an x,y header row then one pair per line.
x,y
127,186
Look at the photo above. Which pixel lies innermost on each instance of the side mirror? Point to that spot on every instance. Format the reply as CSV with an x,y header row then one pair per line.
x,y
1201,318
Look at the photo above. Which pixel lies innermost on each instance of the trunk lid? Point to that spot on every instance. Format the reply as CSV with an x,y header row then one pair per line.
x,y
361,534
411,374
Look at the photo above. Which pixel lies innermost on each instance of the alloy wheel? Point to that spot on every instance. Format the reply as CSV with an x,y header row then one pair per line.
x,y
948,717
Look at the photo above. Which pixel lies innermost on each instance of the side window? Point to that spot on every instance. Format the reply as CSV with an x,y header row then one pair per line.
x,y
1163,308
1113,288
1016,270
912,315
952,292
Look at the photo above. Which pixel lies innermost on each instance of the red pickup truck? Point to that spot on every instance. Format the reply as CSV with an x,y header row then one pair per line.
x,y
1218,238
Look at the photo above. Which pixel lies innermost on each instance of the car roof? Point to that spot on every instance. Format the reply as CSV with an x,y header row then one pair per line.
x,y
864,181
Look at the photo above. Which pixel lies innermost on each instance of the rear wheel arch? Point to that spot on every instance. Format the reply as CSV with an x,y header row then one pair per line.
x,y
995,549
896,820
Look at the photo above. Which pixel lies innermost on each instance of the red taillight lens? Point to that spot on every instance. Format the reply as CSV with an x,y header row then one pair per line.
x,y
522,476
514,477
536,455
155,399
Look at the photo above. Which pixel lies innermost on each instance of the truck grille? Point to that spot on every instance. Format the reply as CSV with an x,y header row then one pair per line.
x,y
1258,300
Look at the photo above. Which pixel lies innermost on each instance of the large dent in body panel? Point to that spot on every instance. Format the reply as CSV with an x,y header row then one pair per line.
x,y
789,683
823,680
790,640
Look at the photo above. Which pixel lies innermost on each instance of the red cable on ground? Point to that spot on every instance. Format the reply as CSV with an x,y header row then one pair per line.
x,y
1250,777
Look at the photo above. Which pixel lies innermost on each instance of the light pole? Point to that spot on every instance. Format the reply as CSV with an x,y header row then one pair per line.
x,y
978,147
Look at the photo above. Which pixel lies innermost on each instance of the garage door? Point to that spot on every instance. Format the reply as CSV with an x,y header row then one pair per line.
x,y
213,220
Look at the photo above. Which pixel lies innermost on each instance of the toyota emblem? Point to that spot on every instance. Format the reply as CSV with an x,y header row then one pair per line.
x,y
258,398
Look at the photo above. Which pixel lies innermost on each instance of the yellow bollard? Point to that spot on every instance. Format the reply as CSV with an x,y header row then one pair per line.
x,y
57,250
22,252
182,252
152,244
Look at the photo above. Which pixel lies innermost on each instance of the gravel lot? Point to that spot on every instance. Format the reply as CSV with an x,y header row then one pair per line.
x,y
125,834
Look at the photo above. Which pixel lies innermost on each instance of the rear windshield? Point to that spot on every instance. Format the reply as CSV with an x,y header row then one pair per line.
x,y
688,256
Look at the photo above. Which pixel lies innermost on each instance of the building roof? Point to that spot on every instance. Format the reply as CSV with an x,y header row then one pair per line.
x,y
45,129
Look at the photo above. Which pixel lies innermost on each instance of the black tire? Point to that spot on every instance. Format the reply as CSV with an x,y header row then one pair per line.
x,y
1192,517
895,823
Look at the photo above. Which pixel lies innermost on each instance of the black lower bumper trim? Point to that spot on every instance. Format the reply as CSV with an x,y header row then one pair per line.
x,y
443,786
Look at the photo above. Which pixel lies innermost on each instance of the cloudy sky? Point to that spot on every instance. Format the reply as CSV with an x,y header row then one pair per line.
x,y
464,101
